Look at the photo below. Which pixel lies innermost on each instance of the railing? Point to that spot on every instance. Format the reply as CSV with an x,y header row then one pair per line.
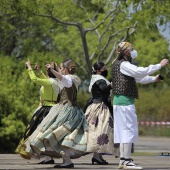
x,y
156,123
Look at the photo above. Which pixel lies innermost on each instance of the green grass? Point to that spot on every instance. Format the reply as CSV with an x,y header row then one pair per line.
x,y
154,131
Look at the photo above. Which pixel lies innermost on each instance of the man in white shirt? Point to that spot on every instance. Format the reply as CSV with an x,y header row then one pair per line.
x,y
124,78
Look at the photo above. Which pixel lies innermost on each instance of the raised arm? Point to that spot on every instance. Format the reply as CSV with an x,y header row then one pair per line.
x,y
140,72
40,81
57,74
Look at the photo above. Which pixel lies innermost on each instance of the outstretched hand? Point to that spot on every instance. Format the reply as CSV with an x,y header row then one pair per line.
x,y
164,62
158,78
28,65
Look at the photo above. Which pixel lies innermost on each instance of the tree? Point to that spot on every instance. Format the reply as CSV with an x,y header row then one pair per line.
x,y
101,25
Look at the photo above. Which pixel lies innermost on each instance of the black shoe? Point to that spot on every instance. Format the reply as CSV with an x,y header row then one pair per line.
x,y
99,162
67,166
106,163
47,162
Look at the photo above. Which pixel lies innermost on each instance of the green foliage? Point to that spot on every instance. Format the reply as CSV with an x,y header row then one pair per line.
x,y
153,104
45,26
151,50
82,98
154,130
66,27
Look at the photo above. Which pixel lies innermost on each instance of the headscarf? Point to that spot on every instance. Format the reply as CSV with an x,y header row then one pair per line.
x,y
123,45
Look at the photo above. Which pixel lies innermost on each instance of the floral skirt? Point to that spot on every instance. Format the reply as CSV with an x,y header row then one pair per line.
x,y
36,119
63,131
100,123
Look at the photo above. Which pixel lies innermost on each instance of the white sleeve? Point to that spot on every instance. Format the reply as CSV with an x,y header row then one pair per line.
x,y
146,80
131,70
65,82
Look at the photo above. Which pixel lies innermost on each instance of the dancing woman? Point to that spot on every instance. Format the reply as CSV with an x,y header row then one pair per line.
x,y
99,115
63,132
48,97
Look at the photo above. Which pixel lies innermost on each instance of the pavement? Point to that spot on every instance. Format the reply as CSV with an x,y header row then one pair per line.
x,y
149,152
152,144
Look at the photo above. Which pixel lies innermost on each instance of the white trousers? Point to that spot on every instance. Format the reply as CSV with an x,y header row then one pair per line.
x,y
125,124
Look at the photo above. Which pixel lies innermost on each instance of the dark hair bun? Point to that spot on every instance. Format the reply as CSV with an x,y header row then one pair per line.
x,y
97,66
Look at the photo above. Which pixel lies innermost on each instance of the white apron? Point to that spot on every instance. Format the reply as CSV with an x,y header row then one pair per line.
x,y
125,124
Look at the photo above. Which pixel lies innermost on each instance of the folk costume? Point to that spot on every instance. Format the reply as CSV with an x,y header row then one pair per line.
x,y
63,132
99,115
124,78
48,97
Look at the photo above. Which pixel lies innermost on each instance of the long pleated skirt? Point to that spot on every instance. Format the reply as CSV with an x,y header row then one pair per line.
x,y
100,136
36,119
63,131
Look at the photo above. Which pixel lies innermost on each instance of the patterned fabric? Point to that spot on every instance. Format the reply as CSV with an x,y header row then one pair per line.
x,y
63,131
36,119
64,127
123,45
121,83
69,95
100,122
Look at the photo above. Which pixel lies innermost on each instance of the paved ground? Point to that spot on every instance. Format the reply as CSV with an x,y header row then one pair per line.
x,y
147,154
153,144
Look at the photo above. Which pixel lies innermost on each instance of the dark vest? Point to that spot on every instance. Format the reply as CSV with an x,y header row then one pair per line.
x,y
69,95
122,84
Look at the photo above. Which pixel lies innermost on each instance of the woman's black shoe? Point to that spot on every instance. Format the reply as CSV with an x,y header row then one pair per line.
x,y
106,163
47,162
67,166
98,162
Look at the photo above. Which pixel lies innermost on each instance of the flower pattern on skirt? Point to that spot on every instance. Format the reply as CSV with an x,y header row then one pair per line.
x,y
103,139
100,125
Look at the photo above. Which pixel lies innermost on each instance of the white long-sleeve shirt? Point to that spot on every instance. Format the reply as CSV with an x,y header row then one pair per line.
x,y
141,74
67,81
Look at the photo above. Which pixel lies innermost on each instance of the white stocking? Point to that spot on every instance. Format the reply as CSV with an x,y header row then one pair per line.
x,y
122,153
48,158
66,160
127,150
66,157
